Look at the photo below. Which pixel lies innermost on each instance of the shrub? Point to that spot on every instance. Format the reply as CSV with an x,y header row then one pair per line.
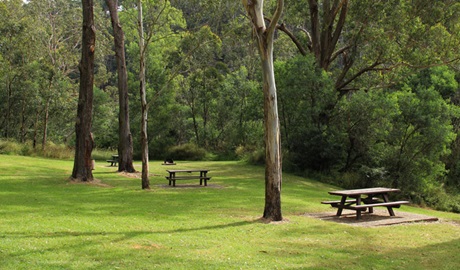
x,y
9,147
187,151
252,155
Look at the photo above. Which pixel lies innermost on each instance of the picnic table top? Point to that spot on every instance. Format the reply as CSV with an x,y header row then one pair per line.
x,y
354,192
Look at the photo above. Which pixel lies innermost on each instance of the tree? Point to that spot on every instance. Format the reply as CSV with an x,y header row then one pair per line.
x,y
198,61
273,171
125,139
82,169
351,39
57,32
143,94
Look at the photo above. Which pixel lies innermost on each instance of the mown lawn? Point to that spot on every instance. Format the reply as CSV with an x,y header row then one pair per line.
x,y
46,222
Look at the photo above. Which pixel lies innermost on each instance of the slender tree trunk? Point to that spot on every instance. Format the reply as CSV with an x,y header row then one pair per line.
x,y
45,124
273,166
144,137
8,107
195,126
125,139
22,131
34,139
82,169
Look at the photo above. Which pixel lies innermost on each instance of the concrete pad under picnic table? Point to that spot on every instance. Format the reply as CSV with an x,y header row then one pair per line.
x,y
378,218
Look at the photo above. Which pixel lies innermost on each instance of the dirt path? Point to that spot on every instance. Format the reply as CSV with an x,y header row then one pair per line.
x,y
378,218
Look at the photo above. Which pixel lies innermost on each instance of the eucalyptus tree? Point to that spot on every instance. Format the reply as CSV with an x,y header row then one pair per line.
x,y
265,36
367,43
125,139
17,54
203,75
57,35
82,169
151,34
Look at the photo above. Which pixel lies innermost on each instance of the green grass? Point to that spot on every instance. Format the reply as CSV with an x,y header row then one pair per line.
x,y
46,222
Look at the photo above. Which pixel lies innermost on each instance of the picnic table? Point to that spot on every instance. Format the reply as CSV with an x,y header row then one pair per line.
x,y
113,161
178,175
373,197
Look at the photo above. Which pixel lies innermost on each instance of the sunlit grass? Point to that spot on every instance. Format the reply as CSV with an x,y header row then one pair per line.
x,y
47,222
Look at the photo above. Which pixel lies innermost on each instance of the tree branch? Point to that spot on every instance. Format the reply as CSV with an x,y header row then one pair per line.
x,y
359,73
276,17
301,49
339,52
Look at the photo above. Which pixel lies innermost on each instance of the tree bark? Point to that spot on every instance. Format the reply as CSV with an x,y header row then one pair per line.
x,y
82,169
144,137
125,139
273,166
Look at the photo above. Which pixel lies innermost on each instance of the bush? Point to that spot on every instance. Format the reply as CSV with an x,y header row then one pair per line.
x,y
9,147
436,197
252,155
58,151
187,151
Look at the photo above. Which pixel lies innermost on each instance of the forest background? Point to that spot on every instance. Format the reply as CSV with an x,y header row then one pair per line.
x,y
368,90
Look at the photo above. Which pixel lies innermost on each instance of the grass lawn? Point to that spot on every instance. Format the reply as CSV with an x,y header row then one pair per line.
x,y
46,222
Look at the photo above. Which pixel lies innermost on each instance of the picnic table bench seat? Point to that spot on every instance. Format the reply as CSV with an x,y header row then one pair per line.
x,y
190,177
113,162
395,204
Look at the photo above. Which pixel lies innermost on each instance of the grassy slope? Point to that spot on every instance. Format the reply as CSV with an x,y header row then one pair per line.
x,y
48,223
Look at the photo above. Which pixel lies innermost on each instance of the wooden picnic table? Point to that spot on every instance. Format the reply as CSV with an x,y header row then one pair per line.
x,y
202,177
374,197
113,161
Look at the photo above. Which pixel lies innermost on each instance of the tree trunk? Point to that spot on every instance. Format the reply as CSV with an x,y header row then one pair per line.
x,y
45,124
34,139
144,137
125,139
22,131
273,167
84,139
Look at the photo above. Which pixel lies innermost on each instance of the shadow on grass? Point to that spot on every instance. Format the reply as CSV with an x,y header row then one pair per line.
x,y
128,235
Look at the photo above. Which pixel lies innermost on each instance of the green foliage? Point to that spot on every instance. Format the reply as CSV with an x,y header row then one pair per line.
x,y
9,147
187,151
306,104
56,151
436,197
251,154
105,119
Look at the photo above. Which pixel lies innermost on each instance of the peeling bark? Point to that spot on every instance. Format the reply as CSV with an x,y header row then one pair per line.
x,y
273,165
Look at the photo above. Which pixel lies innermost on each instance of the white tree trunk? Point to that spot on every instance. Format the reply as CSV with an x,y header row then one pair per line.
x,y
273,164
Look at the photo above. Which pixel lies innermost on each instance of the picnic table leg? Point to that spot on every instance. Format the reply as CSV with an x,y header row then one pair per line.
x,y
342,203
358,211
172,175
203,176
371,209
390,209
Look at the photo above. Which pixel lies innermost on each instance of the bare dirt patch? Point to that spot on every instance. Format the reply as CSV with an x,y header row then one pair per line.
x,y
136,174
378,218
94,182
184,186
